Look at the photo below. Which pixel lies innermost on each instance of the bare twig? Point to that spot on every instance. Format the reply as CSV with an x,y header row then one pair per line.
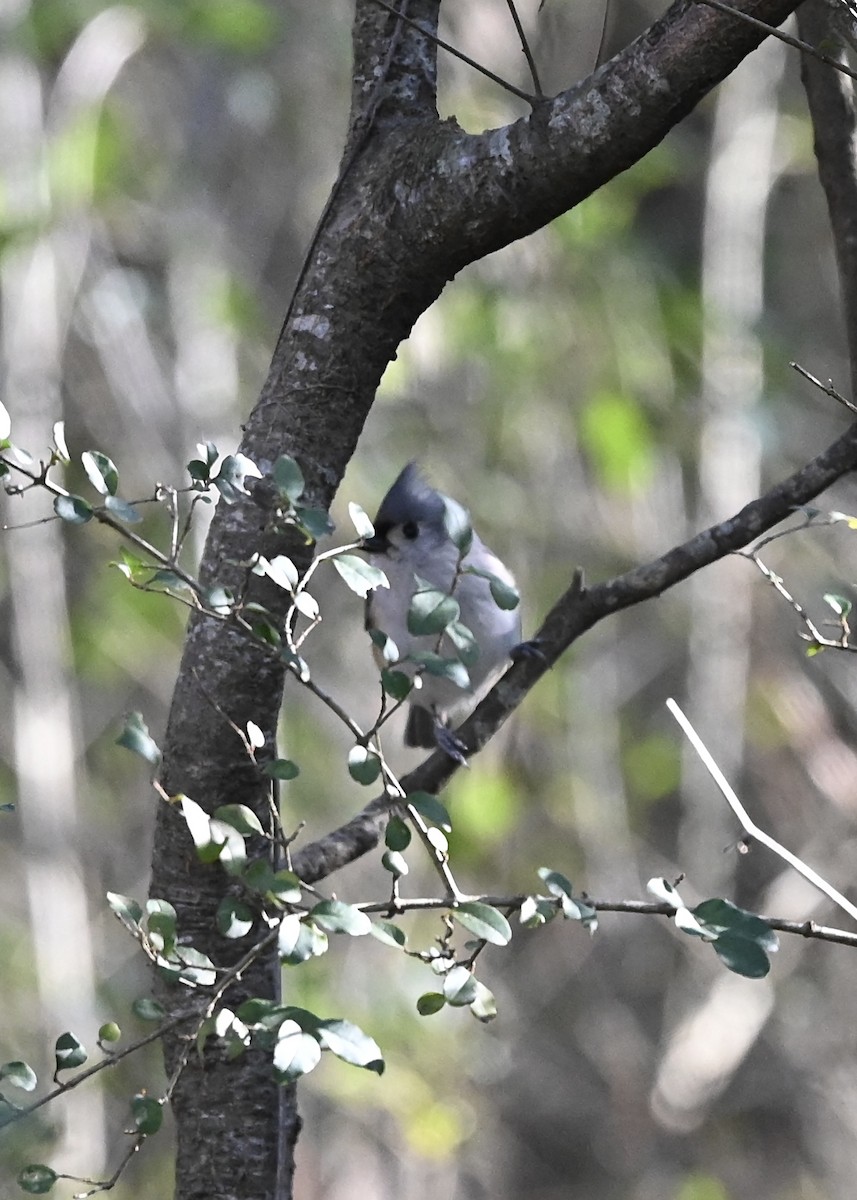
x,y
750,827
471,62
828,388
795,43
525,46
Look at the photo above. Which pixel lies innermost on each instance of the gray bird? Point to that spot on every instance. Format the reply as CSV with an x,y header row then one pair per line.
x,y
413,545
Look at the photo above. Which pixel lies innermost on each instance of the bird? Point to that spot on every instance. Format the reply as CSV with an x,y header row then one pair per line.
x,y
423,543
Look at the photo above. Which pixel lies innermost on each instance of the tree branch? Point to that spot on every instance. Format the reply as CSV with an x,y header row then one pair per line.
x,y
577,611
834,125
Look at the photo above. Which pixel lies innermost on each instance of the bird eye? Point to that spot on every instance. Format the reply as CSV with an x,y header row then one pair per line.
x,y
410,529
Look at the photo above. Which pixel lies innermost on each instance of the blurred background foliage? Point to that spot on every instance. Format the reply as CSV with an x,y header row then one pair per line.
x,y
594,394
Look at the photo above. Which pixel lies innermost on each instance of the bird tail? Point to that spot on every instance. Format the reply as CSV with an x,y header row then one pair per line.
x,y
420,729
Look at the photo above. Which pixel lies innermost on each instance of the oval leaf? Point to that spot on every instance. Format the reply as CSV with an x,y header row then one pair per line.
x,y
21,1074
37,1179
431,809
459,987
100,472
135,737
73,509
338,917
148,1114
360,575
295,1054
431,611
351,1044
486,922
364,765
430,1003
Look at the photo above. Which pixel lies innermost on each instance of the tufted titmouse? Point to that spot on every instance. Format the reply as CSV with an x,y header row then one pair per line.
x,y
424,545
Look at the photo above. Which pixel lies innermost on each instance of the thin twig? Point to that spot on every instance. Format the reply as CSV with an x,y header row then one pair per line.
x,y
525,46
750,827
829,389
503,83
795,43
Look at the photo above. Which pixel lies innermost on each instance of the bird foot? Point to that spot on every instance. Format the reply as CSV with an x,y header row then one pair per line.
x,y
529,649
452,746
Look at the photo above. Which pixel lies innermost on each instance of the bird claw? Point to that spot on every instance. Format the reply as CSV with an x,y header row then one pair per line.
x,y
528,649
452,746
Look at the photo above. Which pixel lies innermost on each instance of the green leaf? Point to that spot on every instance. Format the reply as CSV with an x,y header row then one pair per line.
x,y
307,604
315,522
443,668
431,809
148,1009
19,1073
281,570
127,910
389,934
431,610
135,737
100,471
397,835
486,922
198,823
504,594
396,684
360,575
69,1052
351,1044
122,510
240,817
295,1054
219,600
395,863
73,509
555,882
299,940
430,1003
464,642
162,920
260,877
663,890
148,1114
456,520
288,477
36,1179
197,969
364,765
109,1032
459,987
841,605
728,917
338,917
60,447
234,918
281,768
230,477
360,521
536,911
388,649
742,956
484,1006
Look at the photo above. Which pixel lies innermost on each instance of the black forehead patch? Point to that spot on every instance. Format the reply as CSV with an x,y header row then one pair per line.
x,y
410,498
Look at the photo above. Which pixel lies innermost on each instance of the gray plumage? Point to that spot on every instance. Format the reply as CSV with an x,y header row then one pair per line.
x,y
411,539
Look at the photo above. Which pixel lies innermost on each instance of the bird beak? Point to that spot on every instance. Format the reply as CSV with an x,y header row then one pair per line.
x,y
377,544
